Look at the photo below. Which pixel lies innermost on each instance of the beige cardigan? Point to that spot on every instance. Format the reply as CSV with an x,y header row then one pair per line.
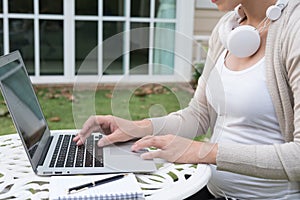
x,y
282,56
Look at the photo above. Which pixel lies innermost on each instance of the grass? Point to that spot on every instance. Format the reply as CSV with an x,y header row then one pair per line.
x,y
64,109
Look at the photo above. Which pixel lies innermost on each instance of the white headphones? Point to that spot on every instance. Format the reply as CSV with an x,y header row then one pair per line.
x,y
243,41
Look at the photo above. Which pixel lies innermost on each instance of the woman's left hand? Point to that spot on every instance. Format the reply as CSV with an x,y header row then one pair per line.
x,y
177,149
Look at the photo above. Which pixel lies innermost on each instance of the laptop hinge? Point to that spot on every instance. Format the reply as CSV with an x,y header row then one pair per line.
x,y
45,151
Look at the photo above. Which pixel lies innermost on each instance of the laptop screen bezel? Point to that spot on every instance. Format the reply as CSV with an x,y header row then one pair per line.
x,y
34,160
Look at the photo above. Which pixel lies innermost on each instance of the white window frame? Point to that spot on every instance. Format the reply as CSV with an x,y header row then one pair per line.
x,y
184,26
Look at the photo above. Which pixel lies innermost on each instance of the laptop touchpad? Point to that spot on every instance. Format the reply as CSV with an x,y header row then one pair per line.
x,y
125,149
118,151
121,149
122,158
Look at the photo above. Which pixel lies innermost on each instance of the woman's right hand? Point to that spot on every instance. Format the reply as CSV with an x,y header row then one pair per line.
x,y
116,129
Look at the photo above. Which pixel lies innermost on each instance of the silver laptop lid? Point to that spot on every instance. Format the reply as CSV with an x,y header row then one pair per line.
x,y
23,106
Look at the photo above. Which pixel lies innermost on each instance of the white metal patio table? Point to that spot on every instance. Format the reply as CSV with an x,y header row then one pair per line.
x,y
18,181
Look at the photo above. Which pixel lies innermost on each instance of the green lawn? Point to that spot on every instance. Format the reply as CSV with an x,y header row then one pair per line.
x,y
58,105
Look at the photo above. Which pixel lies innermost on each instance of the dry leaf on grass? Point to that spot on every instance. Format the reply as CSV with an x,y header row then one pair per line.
x,y
55,119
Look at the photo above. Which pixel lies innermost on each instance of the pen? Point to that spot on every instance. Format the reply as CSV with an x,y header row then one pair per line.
x,y
94,183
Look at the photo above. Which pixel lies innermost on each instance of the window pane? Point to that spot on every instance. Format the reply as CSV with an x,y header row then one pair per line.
x,y
51,47
20,6
48,7
113,7
83,7
165,9
86,40
21,38
140,8
139,55
164,42
1,7
1,38
113,47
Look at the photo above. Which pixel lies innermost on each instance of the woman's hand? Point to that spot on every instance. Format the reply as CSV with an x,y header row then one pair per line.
x,y
116,129
177,149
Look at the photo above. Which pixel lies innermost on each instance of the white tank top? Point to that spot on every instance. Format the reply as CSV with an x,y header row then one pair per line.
x,y
245,115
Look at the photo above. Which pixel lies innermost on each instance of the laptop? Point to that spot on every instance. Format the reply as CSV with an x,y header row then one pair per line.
x,y
54,153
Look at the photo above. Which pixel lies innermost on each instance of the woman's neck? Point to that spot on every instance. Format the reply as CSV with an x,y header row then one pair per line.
x,y
256,11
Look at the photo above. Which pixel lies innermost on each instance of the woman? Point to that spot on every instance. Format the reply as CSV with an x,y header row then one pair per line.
x,y
251,103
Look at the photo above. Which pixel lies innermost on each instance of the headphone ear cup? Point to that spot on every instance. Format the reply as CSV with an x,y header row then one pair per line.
x,y
239,11
243,41
273,12
225,29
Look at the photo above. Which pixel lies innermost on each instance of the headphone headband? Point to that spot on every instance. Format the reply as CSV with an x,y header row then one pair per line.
x,y
272,13
244,40
282,3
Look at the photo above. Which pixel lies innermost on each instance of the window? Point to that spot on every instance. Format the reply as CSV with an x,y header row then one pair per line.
x,y
56,39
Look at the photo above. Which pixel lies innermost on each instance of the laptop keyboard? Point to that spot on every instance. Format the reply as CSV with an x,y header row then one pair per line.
x,y
68,154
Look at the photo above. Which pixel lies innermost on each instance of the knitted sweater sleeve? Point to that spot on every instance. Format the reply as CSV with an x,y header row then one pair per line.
x,y
188,122
199,116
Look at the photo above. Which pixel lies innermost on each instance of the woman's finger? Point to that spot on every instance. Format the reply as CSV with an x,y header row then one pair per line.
x,y
114,137
90,126
151,154
79,140
104,142
149,141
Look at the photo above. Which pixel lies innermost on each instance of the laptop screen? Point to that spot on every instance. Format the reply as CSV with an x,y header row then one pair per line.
x,y
22,103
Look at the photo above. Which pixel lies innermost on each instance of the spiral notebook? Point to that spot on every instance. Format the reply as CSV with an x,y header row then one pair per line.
x,y
124,188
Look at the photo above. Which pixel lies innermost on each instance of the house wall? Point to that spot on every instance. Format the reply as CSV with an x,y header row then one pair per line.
x,y
204,21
